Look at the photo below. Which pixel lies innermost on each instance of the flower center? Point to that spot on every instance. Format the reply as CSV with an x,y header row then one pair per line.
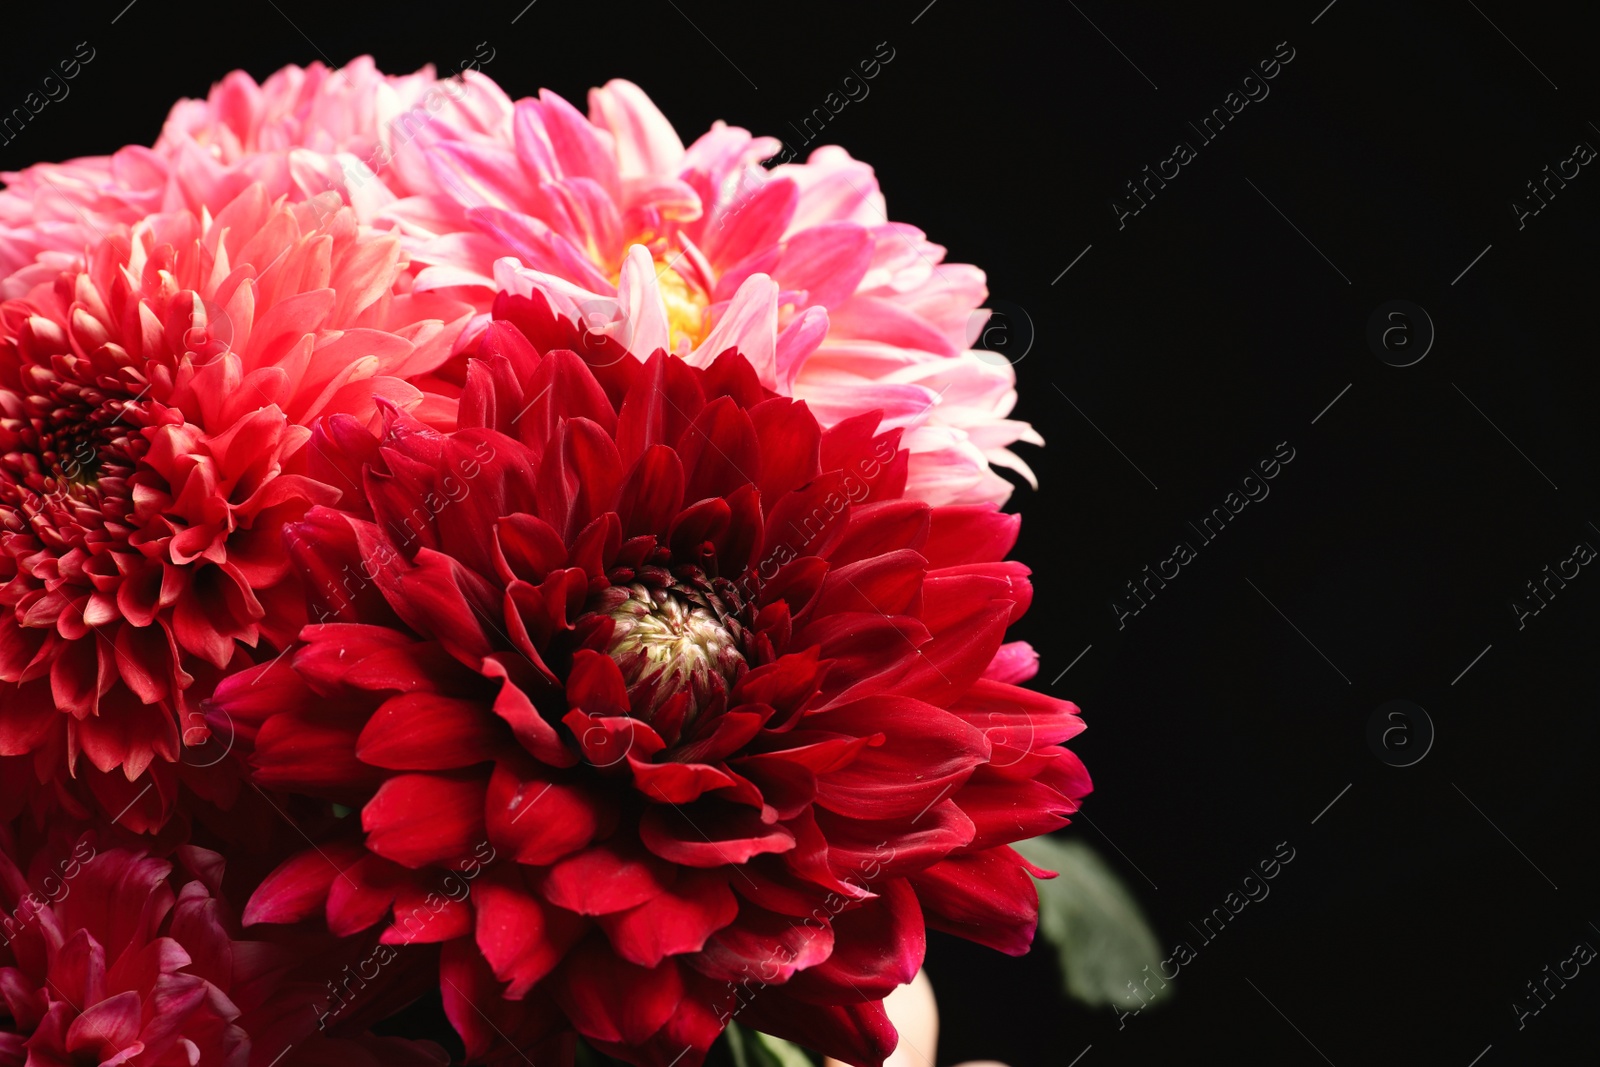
x,y
672,640
685,300
686,309
66,450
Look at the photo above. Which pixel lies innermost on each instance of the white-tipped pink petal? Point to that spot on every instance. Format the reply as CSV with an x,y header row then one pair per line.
x,y
644,326
565,298
1014,662
478,175
796,344
721,153
647,145
834,398
1004,457
750,324
578,148
669,198
833,187
947,467
827,261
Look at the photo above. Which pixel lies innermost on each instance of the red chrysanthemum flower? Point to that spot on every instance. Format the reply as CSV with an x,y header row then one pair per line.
x,y
153,413
691,707
112,957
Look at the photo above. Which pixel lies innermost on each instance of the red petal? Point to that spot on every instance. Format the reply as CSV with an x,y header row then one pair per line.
x,y
362,894
1016,717
878,946
538,815
947,666
719,451
105,1029
676,783
610,877
883,527
332,650
765,946
985,897
891,584
530,547
595,684
710,833
697,527
532,730
299,885
608,999
787,685
607,740
970,533
439,598
73,678
927,754
297,752
663,400
951,594
522,938
869,651
483,476
563,387
859,849
407,668
578,477
483,1018
429,732
418,819
688,1032
858,1034
426,917
790,446
652,493
810,520
677,920
732,376
28,720
1005,810
742,543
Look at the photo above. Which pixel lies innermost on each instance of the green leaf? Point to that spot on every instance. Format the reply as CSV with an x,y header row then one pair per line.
x,y
1101,938
752,1048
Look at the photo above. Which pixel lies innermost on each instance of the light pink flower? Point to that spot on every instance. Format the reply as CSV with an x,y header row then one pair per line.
x,y
619,227
302,132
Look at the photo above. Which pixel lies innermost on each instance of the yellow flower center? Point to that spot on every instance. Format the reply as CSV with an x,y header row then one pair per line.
x,y
684,300
686,309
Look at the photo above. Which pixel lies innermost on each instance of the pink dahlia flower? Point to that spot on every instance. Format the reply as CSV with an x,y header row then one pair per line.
x,y
112,957
153,427
302,132
693,251
701,716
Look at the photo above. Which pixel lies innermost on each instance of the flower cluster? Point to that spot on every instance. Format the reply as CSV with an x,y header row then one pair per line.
x,y
449,542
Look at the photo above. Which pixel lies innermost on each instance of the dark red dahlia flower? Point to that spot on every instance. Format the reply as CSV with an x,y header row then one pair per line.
x,y
153,420
115,958
682,699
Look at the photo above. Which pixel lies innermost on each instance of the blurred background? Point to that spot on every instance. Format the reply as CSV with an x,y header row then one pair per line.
x,y
1177,320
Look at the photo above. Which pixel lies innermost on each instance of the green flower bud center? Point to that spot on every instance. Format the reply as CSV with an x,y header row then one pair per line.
x,y
666,643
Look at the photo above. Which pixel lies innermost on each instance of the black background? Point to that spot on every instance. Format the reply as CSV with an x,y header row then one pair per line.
x,y
1226,715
